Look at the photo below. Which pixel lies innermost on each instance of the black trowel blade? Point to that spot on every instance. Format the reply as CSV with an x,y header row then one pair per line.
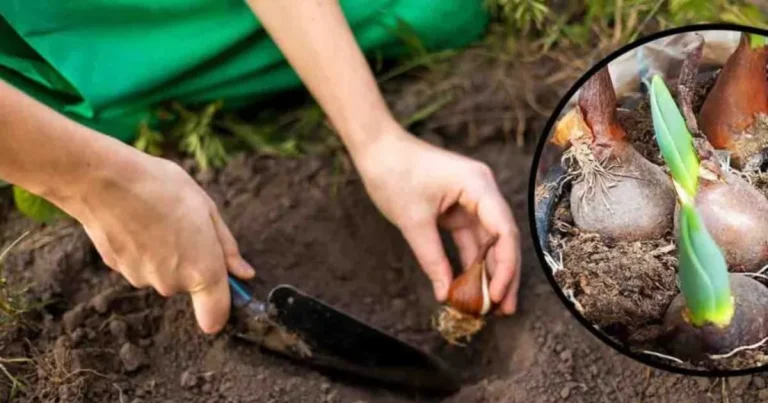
x,y
339,341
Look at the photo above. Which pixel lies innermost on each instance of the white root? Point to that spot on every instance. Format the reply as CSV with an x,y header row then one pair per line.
x,y
739,349
555,264
576,304
584,167
12,245
660,355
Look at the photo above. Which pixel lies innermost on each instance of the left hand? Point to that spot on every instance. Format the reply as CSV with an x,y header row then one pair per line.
x,y
419,187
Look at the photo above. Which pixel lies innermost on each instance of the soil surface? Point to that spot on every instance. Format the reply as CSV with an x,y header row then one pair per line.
x,y
300,221
625,288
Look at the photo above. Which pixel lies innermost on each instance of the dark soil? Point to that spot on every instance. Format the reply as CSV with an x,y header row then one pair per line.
x,y
103,338
625,288
302,222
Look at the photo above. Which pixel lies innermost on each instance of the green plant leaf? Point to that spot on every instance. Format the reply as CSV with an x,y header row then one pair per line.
x,y
149,141
703,272
263,138
35,207
196,135
757,41
675,141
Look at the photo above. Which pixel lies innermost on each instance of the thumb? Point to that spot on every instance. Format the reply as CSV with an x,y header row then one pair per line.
x,y
211,304
425,242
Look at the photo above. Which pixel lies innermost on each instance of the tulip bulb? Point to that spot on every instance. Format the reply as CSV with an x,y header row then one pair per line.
x,y
616,192
469,292
736,104
469,300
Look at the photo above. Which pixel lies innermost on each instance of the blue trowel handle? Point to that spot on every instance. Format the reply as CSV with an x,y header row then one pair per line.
x,y
242,298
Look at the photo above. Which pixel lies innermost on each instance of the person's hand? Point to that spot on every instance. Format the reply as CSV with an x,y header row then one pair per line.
x,y
418,186
152,223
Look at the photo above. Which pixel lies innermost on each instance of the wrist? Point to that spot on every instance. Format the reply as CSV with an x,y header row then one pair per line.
x,y
102,163
367,135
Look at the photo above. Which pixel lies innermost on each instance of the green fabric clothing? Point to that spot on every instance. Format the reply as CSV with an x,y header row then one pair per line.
x,y
105,63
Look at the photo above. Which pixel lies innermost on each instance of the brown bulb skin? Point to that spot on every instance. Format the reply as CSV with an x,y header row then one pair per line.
x,y
736,215
740,92
597,101
637,204
466,292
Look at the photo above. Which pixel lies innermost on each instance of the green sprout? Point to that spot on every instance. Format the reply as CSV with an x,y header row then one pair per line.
x,y
702,270
675,141
757,41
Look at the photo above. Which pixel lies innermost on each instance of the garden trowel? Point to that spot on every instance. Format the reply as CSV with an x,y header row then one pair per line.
x,y
294,324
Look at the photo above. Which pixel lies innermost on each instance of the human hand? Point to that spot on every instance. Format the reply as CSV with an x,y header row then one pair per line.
x,y
152,223
419,187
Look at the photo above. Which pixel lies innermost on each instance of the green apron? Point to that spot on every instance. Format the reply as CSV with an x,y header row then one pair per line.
x,y
106,63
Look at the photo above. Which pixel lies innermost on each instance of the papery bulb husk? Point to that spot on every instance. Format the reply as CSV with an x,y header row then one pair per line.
x,y
738,98
736,215
571,127
593,121
468,301
748,326
597,101
469,292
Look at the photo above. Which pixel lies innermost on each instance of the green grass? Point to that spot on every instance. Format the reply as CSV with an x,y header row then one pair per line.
x,y
14,303
210,136
611,22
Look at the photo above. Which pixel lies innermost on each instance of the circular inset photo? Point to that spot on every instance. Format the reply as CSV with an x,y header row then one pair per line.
x,y
649,200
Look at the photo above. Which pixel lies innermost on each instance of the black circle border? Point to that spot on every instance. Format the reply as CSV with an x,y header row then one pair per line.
x,y
532,205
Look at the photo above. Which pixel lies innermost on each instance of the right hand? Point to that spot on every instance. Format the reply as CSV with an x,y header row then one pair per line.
x,y
420,188
151,222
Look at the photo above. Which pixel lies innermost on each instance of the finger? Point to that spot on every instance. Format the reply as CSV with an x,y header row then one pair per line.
x,y
160,281
102,246
509,305
424,240
467,244
235,262
211,304
136,280
496,217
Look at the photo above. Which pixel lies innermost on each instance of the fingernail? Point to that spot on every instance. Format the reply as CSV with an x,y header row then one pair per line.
x,y
513,308
248,268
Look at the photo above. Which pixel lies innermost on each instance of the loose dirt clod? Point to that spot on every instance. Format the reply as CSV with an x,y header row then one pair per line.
x,y
118,329
188,379
132,357
102,302
75,317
